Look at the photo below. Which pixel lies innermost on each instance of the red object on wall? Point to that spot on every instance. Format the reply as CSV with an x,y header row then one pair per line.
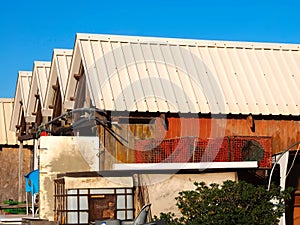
x,y
211,150
194,149
238,143
44,133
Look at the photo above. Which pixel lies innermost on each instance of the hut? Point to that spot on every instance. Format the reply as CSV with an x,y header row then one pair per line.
x,y
19,127
37,93
15,161
56,86
172,88
146,108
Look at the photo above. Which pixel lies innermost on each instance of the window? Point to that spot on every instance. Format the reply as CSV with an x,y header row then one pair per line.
x,y
82,206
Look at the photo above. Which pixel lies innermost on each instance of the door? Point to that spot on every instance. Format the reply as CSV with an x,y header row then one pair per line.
x,y
102,206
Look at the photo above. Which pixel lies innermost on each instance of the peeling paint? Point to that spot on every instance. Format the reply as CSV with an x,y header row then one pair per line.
x,y
96,182
62,155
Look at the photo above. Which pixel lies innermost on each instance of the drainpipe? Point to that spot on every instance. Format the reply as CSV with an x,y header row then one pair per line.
x,y
20,186
35,154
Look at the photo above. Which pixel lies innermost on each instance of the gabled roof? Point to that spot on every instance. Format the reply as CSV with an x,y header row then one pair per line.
x,y
187,76
60,65
7,137
21,98
38,87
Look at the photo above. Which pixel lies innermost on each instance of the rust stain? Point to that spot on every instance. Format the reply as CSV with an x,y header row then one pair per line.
x,y
283,132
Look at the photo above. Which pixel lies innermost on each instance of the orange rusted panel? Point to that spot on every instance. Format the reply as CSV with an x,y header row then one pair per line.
x,y
283,132
296,215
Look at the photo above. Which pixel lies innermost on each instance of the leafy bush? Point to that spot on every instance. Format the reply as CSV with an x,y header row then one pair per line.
x,y
229,203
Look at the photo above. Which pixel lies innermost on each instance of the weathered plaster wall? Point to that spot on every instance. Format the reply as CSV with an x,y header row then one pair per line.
x,y
161,190
61,155
9,172
97,182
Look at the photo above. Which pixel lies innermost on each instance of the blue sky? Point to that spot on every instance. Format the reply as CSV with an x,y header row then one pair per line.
x,y
30,30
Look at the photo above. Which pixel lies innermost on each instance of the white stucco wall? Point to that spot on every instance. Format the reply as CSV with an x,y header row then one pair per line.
x,y
98,182
60,154
162,189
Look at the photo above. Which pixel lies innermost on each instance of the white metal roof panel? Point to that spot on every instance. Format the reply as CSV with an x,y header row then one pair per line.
x,y
38,87
7,137
60,65
21,98
156,74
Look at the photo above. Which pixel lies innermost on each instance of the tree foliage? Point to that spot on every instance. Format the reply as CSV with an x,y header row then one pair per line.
x,y
229,203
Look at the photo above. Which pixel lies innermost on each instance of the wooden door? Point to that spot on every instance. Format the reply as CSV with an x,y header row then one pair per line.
x,y
102,206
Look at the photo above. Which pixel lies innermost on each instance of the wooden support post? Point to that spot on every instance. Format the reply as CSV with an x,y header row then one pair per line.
x,y
20,182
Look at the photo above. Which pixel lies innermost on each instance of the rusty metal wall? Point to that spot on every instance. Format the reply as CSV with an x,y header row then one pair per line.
x,y
283,132
9,170
122,150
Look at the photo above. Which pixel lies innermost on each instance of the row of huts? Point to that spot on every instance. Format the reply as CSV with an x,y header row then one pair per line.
x,y
132,120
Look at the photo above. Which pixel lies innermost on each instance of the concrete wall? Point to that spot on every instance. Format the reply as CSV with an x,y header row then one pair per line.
x,y
97,182
9,172
161,190
61,155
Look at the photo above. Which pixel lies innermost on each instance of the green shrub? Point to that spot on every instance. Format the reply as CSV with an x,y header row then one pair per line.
x,y
229,203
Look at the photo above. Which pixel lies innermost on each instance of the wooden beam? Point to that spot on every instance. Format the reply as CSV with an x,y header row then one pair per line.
x,y
251,123
20,175
26,137
55,87
77,76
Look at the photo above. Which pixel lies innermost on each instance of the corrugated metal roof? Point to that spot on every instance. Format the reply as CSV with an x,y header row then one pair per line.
x,y
38,87
188,76
21,98
7,137
60,65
